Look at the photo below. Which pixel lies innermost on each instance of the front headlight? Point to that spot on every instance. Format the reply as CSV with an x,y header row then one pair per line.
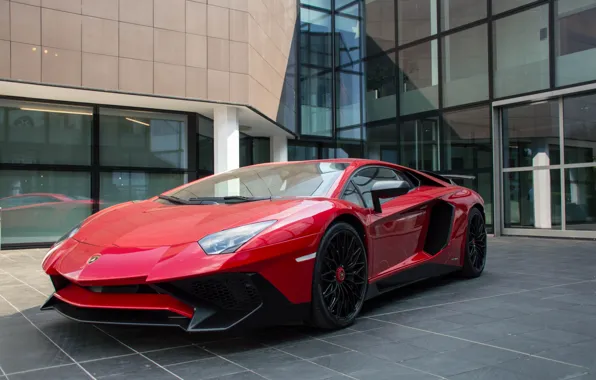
x,y
59,242
229,241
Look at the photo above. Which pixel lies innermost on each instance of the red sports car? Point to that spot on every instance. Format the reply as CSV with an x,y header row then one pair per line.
x,y
282,242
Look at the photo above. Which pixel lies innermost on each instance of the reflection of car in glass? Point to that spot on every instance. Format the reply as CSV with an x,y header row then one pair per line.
x,y
45,212
303,241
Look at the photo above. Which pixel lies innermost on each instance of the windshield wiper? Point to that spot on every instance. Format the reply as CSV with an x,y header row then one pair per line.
x,y
227,199
173,199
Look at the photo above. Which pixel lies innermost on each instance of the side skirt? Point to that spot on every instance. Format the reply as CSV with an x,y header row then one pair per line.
x,y
409,276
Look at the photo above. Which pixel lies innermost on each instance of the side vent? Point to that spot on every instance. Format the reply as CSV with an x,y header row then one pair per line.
x,y
439,227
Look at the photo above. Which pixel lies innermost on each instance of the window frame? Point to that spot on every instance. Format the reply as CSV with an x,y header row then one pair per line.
x,y
350,180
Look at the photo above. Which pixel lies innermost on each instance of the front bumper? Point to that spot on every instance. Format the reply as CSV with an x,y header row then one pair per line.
x,y
207,303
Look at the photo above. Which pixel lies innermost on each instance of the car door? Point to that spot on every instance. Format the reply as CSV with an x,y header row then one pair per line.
x,y
395,232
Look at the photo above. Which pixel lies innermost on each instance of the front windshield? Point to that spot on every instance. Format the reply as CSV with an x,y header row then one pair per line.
x,y
285,180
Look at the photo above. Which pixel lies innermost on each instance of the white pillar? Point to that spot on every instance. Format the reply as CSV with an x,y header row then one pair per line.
x,y
226,141
541,191
279,148
226,136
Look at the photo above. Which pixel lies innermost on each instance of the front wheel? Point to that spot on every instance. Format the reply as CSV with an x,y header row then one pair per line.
x,y
475,250
340,278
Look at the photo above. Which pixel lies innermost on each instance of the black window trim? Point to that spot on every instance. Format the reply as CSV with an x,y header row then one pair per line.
x,y
364,167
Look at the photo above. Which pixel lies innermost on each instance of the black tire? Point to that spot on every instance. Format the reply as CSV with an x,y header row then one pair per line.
x,y
475,245
338,294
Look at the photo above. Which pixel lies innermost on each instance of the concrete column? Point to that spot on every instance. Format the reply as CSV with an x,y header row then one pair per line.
x,y
226,143
541,192
226,136
279,149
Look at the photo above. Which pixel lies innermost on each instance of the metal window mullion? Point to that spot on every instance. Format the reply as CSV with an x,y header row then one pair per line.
x,y
498,211
95,161
562,162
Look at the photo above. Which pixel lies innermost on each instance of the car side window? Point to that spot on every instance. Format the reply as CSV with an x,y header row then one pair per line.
x,y
366,178
351,195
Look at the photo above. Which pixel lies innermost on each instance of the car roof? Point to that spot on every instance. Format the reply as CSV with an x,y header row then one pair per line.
x,y
356,162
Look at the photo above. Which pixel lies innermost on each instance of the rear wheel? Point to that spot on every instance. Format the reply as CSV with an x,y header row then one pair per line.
x,y
475,254
340,278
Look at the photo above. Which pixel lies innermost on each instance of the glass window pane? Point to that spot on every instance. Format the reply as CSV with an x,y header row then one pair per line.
x,y
465,67
416,19
521,52
467,149
349,88
580,202
419,143
379,25
580,129
261,150
531,135
205,148
349,149
381,87
142,139
532,199
38,133
500,6
467,140
316,83
381,143
118,187
455,13
301,152
419,78
41,206
576,41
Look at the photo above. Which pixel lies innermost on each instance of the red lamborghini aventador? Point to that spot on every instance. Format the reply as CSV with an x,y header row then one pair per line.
x,y
298,241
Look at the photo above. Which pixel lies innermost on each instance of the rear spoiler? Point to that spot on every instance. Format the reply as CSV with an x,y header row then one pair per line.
x,y
449,178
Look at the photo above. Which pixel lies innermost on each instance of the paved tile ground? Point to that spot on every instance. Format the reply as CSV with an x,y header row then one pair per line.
x,y
532,315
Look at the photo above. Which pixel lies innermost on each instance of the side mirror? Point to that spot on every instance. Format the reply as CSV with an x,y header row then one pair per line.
x,y
387,189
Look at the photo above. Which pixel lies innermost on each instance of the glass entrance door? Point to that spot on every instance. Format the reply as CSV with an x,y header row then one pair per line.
x,y
548,167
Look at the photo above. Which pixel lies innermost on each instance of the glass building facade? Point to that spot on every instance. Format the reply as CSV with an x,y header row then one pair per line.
x,y
502,90
497,89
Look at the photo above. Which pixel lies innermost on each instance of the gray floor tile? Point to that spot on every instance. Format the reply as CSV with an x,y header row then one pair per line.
x,y
148,338
357,341
523,343
26,349
482,354
559,337
359,365
582,354
542,369
396,333
490,373
438,343
69,372
443,365
82,341
314,348
303,369
239,376
396,352
205,368
261,358
178,355
126,368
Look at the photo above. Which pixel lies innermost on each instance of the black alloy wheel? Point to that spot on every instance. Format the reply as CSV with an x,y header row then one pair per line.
x,y
476,247
341,278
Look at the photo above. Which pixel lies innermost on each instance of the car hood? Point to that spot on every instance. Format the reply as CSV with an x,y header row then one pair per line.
x,y
154,224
